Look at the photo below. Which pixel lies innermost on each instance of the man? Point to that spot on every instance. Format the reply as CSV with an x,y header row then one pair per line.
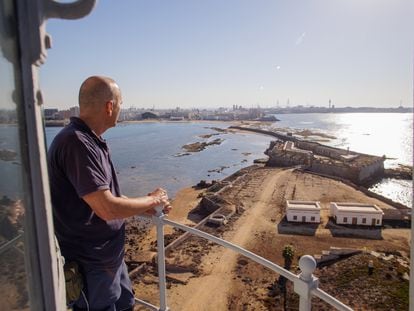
x,y
87,203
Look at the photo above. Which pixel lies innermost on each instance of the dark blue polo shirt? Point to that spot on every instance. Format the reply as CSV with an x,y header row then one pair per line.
x,y
79,163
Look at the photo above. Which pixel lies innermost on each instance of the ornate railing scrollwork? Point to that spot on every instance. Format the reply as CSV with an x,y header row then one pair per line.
x,y
73,10
36,12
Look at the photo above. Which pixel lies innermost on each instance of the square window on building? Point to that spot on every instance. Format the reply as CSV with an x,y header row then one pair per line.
x,y
364,220
295,217
313,218
378,221
345,219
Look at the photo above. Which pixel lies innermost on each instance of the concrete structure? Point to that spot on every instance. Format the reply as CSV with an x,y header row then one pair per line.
x,y
285,154
217,219
356,214
303,211
356,167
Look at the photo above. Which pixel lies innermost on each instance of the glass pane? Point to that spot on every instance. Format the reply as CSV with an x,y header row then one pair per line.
x,y
13,281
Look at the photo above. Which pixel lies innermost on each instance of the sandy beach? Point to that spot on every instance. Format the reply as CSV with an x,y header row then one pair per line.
x,y
204,276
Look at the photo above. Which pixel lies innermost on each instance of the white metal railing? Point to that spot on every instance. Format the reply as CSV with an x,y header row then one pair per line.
x,y
305,284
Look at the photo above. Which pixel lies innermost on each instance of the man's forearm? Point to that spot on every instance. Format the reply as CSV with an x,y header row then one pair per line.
x,y
109,207
125,207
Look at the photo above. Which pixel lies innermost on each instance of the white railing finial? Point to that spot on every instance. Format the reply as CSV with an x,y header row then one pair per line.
x,y
307,265
306,282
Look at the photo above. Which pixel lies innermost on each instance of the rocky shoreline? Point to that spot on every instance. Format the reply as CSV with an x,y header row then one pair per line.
x,y
199,146
401,172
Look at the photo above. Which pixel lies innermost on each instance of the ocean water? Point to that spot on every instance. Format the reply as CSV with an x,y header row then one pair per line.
x,y
145,154
389,134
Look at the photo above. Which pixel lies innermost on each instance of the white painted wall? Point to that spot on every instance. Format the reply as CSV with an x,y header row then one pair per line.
x,y
339,216
290,213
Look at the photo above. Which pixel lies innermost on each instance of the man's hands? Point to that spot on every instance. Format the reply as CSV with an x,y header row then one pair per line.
x,y
109,207
160,197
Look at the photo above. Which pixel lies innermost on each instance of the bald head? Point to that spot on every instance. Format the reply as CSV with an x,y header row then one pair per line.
x,y
100,103
95,91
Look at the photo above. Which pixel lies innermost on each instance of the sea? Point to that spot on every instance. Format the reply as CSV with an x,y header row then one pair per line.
x,y
149,155
389,134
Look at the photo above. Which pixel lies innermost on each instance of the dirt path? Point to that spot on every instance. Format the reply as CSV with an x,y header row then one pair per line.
x,y
210,291
218,279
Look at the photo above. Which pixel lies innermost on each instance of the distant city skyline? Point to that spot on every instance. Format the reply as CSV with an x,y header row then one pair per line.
x,y
211,54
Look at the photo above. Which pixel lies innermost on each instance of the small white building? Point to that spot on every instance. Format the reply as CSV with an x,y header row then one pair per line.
x,y
356,214
303,211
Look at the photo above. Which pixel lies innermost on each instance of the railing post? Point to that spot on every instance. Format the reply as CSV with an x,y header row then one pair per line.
x,y
158,221
306,282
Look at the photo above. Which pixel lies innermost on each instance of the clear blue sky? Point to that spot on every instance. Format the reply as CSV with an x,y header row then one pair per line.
x,y
212,53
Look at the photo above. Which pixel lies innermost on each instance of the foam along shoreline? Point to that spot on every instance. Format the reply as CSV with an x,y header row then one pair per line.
x,y
309,133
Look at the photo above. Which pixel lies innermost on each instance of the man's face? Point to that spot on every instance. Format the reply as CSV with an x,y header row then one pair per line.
x,y
116,110
116,106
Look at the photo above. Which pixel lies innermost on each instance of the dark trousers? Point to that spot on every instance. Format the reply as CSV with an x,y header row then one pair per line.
x,y
106,290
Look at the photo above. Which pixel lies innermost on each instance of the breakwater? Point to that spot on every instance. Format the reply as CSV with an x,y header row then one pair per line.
x,y
265,132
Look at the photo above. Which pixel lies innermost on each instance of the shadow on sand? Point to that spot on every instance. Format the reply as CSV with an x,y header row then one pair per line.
x,y
285,227
354,231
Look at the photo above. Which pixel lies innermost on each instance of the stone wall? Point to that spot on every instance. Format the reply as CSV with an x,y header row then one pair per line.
x,y
375,169
316,148
288,158
360,169
338,170
337,166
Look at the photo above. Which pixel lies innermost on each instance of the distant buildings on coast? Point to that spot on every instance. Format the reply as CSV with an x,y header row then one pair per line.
x,y
56,117
178,114
56,114
333,109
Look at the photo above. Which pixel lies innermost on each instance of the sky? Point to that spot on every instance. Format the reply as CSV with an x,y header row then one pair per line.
x,y
220,53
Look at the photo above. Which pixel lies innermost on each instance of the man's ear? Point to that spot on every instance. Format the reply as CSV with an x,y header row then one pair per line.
x,y
109,107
